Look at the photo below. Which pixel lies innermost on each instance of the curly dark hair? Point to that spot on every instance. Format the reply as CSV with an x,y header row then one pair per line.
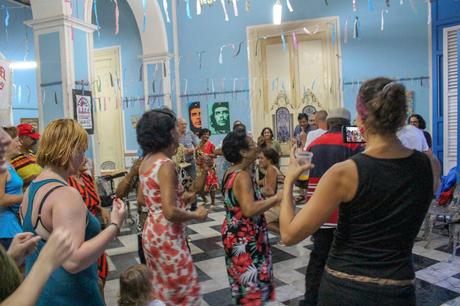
x,y
201,132
267,128
271,155
386,104
302,116
154,130
421,121
233,143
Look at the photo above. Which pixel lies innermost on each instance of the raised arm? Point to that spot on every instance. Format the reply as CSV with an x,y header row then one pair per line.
x,y
244,193
71,214
128,182
338,184
167,177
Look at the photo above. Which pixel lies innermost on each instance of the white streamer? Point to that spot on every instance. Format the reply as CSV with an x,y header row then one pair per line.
x,y
225,9
235,8
289,6
165,7
198,7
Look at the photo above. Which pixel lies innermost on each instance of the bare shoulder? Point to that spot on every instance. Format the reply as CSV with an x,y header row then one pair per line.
x,y
344,176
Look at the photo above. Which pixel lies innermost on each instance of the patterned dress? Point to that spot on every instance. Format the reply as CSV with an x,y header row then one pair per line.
x,y
175,280
247,251
211,178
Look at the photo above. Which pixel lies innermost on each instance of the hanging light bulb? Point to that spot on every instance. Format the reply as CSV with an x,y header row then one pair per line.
x,y
277,12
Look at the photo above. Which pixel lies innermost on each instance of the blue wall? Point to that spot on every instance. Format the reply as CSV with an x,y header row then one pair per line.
x,y
129,40
14,48
400,51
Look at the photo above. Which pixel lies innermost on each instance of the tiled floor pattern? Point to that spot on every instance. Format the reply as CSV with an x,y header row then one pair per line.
x,y
438,276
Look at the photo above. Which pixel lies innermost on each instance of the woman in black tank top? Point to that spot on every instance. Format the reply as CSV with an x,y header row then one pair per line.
x,y
382,194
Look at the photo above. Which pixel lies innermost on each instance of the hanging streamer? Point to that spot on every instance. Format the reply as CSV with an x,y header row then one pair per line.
x,y
111,79
7,16
198,7
333,33
97,18
235,8
355,7
141,73
294,40
248,5
401,2
186,87
382,21
311,32
55,97
370,5
289,6
19,93
144,19
345,31
326,2
283,41
356,28
99,84
225,9
239,49
26,45
43,96
387,3
187,9
212,86
165,8
117,16
221,56
200,59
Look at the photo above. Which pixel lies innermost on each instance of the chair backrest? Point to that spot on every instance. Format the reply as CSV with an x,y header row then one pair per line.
x,y
108,165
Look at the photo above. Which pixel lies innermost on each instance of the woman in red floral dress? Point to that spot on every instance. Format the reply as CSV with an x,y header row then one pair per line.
x,y
244,231
175,281
207,147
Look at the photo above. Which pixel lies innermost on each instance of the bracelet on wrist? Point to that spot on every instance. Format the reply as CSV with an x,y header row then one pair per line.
x,y
116,226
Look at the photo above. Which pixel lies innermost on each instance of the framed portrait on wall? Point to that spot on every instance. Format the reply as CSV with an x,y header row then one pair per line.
x,y
282,121
194,117
219,118
83,109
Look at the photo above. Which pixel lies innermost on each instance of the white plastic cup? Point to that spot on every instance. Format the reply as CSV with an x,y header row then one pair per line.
x,y
304,158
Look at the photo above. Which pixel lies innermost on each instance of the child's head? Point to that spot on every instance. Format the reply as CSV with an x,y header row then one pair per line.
x,y
135,286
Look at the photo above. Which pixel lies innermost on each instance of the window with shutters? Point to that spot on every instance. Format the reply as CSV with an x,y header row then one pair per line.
x,y
451,68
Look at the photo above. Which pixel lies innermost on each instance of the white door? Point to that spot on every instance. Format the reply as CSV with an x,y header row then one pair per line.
x,y
451,67
109,117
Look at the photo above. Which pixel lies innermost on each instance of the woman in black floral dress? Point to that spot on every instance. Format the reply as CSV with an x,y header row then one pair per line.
x,y
244,231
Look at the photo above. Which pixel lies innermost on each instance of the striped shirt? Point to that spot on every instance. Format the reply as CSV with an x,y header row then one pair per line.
x,y
329,149
87,191
26,166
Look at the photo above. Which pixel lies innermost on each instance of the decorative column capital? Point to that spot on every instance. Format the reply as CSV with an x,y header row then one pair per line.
x,y
55,22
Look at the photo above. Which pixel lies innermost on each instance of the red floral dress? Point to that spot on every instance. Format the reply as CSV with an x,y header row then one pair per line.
x,y
211,179
247,251
175,280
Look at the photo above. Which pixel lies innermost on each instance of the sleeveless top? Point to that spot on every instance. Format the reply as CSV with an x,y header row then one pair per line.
x,y
64,288
9,214
377,229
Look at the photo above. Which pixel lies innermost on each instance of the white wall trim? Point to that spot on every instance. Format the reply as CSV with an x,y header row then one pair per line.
x,y
61,20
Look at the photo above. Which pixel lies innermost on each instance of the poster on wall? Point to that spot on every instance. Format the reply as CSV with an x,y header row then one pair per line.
x,y
83,109
410,102
5,93
194,115
219,118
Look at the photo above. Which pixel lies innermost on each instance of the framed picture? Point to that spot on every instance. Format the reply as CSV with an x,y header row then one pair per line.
x,y
219,118
194,116
83,109
282,121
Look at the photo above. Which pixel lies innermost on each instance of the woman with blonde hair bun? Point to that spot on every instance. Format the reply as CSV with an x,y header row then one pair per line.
x,y
50,203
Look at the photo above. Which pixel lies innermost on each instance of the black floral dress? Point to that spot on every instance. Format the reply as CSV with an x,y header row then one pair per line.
x,y
247,251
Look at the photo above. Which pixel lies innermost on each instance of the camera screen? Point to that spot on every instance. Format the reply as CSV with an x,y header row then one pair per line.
x,y
352,134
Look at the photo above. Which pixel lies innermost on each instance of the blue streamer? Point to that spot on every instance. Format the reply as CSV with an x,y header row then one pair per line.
x,y
283,40
144,24
370,5
96,17
187,2
19,93
7,16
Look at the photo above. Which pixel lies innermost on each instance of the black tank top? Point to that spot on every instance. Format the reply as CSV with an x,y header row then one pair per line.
x,y
377,229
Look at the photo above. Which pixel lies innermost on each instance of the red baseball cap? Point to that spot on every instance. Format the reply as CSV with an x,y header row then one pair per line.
x,y
25,129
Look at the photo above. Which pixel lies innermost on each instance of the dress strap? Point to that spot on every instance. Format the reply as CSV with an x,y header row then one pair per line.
x,y
42,202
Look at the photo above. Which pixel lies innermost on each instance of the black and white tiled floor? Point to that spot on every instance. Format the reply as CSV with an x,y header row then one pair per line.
x,y
438,276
